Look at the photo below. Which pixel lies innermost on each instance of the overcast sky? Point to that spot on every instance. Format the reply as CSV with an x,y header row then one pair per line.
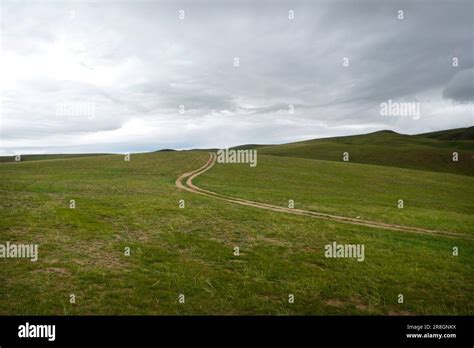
x,y
86,76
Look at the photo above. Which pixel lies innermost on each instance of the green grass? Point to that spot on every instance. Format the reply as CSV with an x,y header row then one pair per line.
x,y
135,204
431,152
46,157
437,201
451,134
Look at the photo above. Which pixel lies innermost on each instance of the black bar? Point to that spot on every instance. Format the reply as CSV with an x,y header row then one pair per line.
x,y
240,330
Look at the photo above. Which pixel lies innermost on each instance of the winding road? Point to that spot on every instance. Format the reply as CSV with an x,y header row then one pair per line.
x,y
189,186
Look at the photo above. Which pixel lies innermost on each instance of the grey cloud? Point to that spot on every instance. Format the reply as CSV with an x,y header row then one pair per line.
x,y
138,62
461,87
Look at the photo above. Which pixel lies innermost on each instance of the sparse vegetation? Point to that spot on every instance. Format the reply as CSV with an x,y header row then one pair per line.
x,y
190,251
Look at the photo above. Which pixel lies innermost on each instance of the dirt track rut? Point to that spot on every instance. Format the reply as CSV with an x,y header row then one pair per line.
x,y
189,186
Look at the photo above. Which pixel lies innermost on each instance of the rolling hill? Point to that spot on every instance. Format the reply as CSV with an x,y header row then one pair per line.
x,y
190,250
431,151
42,157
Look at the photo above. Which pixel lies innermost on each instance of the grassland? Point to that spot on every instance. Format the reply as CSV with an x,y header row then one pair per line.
x,y
431,151
45,157
436,201
190,251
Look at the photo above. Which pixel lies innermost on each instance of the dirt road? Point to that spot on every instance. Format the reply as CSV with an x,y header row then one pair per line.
x,y
189,186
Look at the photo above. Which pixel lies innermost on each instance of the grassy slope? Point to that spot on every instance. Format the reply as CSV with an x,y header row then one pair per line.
x,y
451,134
46,157
431,152
189,250
432,200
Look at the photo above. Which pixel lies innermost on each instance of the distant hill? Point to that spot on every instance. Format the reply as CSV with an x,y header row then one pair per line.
x,y
430,151
248,146
47,157
452,134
